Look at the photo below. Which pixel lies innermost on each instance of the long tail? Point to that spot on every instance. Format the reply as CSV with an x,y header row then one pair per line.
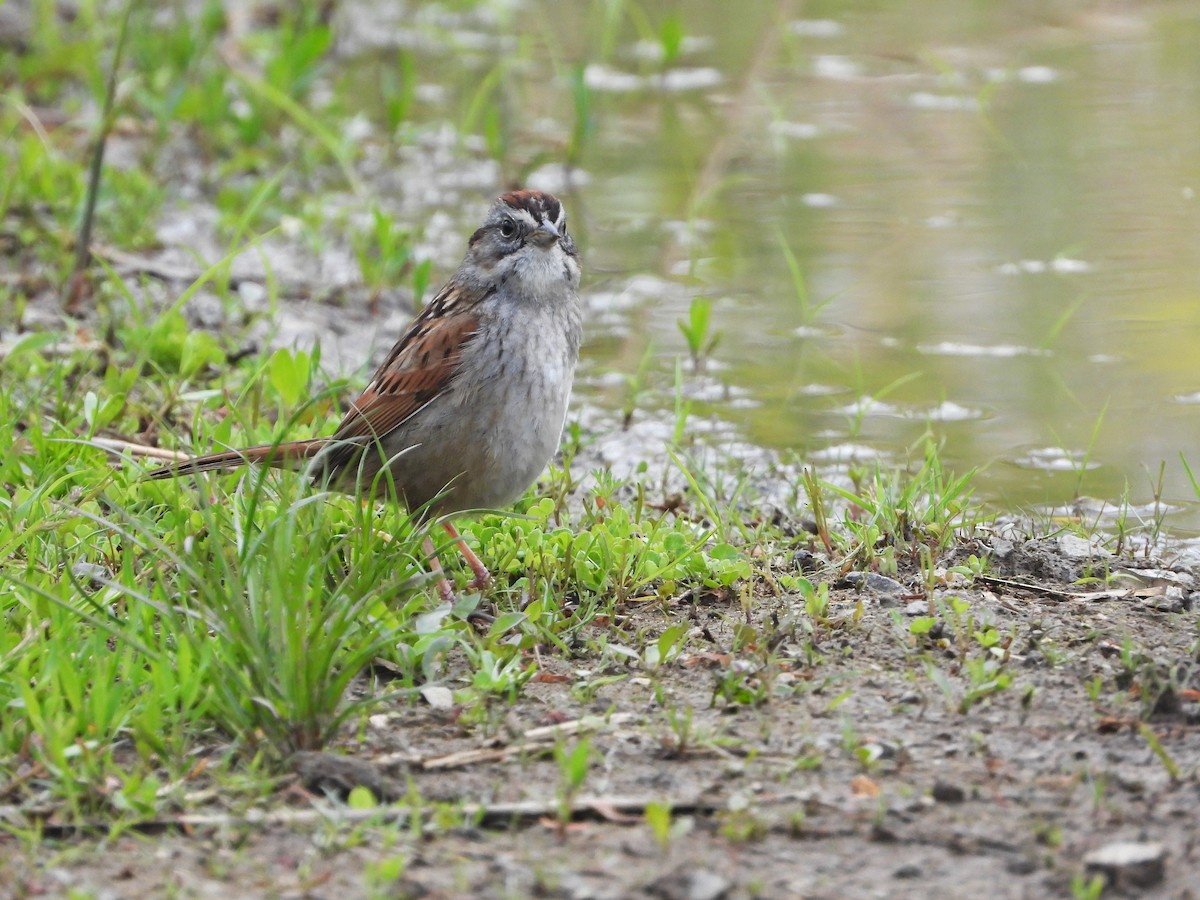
x,y
279,456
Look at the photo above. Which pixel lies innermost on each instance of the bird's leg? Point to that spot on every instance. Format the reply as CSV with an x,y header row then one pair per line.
x,y
443,583
482,576
479,618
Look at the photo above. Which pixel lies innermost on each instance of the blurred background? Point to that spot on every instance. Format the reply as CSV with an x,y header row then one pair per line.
x,y
825,229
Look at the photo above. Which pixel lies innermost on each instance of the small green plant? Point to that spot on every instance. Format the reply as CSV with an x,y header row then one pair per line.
x,y
670,38
696,330
1083,888
500,674
583,125
740,684
635,386
397,86
972,568
683,407
682,729
818,506
808,310
667,648
383,874
384,253
741,825
658,818
573,764
1159,750
985,677
816,602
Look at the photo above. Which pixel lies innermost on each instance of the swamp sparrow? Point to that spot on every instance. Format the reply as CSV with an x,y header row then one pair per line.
x,y
470,403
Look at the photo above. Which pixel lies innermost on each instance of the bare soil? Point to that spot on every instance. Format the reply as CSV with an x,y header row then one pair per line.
x,y
858,776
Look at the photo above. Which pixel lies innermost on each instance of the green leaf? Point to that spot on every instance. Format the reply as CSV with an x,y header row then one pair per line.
x,y
361,798
288,374
922,624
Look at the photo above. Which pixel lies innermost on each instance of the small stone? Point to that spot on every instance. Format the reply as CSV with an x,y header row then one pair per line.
x,y
1171,600
1001,548
805,561
1022,864
944,792
876,750
1074,547
437,696
908,871
690,884
707,885
1128,863
252,294
917,608
873,581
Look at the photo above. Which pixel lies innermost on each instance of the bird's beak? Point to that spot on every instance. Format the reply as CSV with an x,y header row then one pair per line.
x,y
545,235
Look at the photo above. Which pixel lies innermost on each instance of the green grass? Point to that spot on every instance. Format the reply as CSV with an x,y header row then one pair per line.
x,y
146,622
156,635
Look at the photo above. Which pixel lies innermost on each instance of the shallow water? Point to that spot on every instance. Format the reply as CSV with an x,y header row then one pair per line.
x,y
993,208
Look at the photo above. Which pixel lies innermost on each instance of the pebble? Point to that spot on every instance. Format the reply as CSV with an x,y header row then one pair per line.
x,y
1001,548
873,581
1128,863
1171,600
1022,864
690,884
806,561
1074,547
437,696
944,792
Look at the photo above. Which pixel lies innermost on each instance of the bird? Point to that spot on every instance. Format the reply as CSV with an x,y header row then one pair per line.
x,y
470,403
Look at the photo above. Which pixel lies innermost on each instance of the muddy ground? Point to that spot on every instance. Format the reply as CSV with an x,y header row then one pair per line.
x,y
841,760
858,777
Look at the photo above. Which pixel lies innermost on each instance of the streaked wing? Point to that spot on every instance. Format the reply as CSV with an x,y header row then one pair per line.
x,y
420,367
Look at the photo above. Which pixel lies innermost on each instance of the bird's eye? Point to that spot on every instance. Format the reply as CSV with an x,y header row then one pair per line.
x,y
508,228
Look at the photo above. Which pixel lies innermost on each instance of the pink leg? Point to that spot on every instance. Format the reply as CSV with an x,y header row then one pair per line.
x,y
482,576
443,583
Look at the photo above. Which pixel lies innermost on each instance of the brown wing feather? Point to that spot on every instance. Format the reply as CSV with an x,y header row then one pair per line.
x,y
419,368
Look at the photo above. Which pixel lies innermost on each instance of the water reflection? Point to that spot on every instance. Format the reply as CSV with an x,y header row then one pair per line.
x,y
995,220
991,210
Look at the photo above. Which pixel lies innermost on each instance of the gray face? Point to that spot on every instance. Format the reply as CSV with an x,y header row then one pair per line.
x,y
521,220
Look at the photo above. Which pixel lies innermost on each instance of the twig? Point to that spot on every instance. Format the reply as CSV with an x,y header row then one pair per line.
x,y
83,245
535,740
1115,594
486,754
116,445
